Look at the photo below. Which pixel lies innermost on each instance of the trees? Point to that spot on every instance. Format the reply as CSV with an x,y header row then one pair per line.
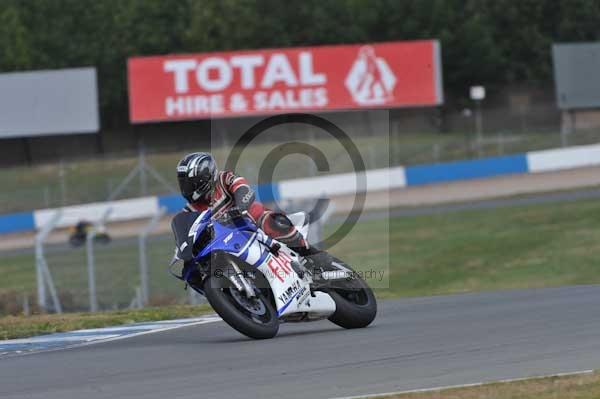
x,y
15,46
483,41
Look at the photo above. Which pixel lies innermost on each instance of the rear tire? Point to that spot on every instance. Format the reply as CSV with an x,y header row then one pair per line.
x,y
356,306
354,309
220,295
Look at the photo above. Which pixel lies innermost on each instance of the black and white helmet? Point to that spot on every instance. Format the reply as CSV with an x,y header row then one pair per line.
x,y
197,175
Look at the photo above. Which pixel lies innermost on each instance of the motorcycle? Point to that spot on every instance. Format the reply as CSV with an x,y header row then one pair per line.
x,y
79,232
255,282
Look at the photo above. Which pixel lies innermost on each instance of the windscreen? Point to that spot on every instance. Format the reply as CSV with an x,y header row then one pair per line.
x,y
181,225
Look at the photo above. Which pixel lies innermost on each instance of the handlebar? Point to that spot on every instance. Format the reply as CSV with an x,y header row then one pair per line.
x,y
232,214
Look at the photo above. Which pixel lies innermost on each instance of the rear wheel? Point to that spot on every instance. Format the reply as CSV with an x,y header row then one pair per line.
x,y
254,317
356,306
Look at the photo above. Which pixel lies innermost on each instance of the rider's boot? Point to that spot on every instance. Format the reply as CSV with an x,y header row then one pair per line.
x,y
296,242
280,227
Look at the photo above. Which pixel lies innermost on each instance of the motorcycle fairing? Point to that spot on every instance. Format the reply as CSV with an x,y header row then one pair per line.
x,y
239,240
245,241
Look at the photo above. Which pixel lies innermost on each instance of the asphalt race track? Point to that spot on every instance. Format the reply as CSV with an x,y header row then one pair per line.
x,y
414,343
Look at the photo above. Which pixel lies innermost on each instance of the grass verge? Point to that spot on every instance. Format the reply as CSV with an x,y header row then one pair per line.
x,y
28,326
580,386
506,248
521,247
531,246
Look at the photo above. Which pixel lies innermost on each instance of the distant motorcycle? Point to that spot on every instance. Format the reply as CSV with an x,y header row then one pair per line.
x,y
254,282
79,233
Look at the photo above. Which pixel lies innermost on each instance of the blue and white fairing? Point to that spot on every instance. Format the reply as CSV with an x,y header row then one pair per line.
x,y
242,239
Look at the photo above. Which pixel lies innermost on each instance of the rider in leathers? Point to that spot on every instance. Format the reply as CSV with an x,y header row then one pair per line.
x,y
204,186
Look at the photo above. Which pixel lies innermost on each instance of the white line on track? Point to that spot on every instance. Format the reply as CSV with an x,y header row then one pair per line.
x,y
86,340
477,384
76,338
206,320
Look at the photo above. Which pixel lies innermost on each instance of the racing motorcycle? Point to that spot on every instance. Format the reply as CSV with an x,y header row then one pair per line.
x,y
255,282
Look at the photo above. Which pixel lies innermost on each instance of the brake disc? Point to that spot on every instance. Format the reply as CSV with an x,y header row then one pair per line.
x,y
252,305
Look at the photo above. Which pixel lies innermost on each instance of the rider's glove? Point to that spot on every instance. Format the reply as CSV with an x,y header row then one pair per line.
x,y
244,197
235,212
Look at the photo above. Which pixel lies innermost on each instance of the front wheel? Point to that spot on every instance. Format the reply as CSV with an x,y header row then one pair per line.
x,y
253,317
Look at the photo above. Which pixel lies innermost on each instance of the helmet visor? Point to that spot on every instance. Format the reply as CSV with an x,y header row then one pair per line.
x,y
194,188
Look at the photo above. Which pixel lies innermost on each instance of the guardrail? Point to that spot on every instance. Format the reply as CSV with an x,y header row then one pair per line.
x,y
339,184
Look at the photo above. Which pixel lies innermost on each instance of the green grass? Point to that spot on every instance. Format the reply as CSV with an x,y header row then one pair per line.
x,y
582,386
21,327
117,275
507,248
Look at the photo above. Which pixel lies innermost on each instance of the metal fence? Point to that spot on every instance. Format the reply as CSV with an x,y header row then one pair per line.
x,y
123,273
127,272
100,179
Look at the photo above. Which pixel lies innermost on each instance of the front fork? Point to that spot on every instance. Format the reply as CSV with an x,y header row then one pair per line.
x,y
239,280
195,275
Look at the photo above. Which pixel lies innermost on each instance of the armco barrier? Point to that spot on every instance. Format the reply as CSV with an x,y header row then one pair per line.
x,y
175,202
465,170
378,179
311,187
122,210
16,222
563,158
172,203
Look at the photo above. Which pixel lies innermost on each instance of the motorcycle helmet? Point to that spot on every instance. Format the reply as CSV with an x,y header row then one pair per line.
x,y
197,175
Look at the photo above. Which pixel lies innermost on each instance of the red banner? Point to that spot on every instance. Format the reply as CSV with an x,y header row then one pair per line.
x,y
261,82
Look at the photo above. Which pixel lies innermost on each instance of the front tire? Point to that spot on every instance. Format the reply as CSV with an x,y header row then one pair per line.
x,y
255,318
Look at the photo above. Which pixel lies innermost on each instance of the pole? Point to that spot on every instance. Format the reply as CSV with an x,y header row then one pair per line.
x,y
138,296
142,169
51,287
42,273
26,307
39,276
47,196
89,242
143,269
90,269
63,184
567,127
479,126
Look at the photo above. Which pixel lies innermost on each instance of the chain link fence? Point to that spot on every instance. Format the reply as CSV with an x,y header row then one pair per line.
x,y
96,179
125,272
116,269
150,172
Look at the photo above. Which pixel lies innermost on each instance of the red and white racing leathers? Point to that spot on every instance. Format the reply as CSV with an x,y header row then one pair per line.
x,y
234,191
